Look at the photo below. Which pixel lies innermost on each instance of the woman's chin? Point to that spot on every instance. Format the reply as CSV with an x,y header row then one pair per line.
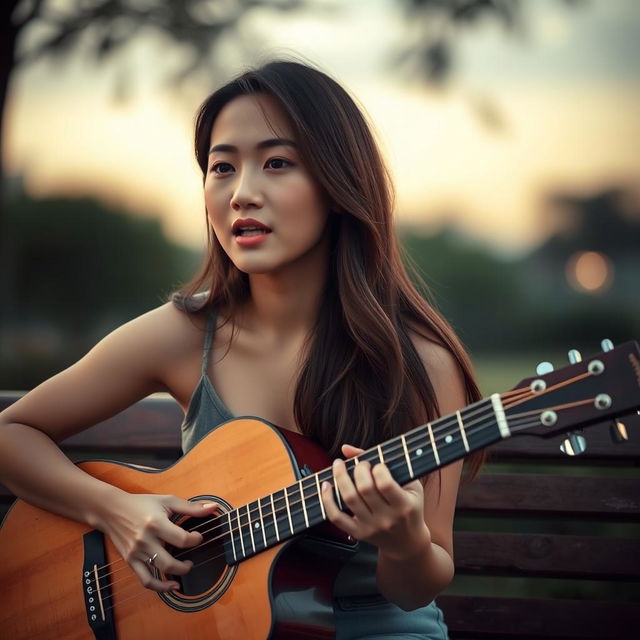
x,y
255,267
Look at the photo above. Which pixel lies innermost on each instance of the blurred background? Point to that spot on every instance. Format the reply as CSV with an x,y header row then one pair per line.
x,y
511,128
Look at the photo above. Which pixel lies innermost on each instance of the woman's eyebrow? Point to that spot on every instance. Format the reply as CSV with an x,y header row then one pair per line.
x,y
264,144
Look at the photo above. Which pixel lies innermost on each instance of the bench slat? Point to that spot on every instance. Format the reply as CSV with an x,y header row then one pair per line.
x,y
150,426
537,494
538,619
546,555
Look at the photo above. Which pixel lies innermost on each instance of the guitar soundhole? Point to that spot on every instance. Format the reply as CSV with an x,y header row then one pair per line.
x,y
210,575
208,560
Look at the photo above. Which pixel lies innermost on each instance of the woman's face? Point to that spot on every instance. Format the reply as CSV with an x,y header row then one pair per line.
x,y
263,205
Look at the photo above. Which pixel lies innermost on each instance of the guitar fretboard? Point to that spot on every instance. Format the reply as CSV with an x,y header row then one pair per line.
x,y
279,516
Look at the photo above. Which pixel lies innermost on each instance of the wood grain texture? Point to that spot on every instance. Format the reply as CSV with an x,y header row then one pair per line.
x,y
541,494
548,555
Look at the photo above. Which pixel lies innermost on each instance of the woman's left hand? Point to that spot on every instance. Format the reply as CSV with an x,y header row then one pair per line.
x,y
385,514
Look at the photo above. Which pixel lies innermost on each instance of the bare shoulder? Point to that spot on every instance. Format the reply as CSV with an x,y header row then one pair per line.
x,y
166,328
443,370
151,342
135,360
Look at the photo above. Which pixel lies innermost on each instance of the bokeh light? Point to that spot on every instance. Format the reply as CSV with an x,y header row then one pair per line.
x,y
590,272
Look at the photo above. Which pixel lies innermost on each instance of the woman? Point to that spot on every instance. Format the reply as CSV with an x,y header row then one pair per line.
x,y
308,320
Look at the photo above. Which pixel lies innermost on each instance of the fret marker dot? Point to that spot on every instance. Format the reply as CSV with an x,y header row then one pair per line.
x,y
448,439
257,525
418,452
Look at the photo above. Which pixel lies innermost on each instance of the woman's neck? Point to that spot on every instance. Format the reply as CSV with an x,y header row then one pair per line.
x,y
286,305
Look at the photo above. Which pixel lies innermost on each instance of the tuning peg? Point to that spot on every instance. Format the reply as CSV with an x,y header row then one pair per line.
x,y
574,445
574,356
606,345
544,367
618,432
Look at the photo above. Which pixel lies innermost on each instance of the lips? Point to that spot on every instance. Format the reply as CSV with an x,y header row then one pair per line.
x,y
243,227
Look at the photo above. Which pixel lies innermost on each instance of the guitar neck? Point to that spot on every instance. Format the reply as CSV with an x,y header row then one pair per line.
x,y
277,517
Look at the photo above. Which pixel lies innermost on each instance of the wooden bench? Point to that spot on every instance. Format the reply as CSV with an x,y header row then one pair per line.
x,y
547,546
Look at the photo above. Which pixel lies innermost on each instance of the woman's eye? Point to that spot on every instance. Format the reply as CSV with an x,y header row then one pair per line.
x,y
221,168
278,163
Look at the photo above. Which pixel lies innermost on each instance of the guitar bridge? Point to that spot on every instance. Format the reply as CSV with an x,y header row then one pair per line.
x,y
96,587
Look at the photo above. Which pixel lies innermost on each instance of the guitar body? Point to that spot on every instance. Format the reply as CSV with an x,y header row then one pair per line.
x,y
282,592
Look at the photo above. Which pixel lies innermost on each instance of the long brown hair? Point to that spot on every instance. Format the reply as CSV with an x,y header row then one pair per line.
x,y
363,380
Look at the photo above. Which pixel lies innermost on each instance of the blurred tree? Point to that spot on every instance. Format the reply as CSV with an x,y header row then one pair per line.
x,y
499,305
606,222
435,27
100,28
77,260
196,27
81,270
479,294
428,48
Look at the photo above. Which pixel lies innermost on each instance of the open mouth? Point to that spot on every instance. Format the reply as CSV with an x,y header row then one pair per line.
x,y
248,227
251,231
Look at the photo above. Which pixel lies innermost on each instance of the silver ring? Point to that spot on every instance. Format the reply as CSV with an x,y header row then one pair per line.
x,y
152,560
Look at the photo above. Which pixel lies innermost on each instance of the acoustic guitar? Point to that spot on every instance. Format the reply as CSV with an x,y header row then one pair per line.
x,y
267,563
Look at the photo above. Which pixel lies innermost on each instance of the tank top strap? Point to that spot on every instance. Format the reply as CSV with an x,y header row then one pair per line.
x,y
208,340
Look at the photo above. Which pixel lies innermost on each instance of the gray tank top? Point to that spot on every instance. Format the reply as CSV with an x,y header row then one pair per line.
x,y
206,411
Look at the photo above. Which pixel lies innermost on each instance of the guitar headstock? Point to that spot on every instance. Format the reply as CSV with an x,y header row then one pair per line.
x,y
603,387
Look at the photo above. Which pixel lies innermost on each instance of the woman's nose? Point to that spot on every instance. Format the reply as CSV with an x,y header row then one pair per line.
x,y
247,192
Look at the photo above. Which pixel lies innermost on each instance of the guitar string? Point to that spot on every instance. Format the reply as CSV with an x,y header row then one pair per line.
x,y
519,426
281,508
136,583
517,394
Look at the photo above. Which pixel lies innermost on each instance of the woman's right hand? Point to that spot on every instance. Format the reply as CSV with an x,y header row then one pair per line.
x,y
139,525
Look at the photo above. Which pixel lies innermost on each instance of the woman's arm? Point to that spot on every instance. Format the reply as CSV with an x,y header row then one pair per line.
x,y
413,575
411,526
127,365
416,575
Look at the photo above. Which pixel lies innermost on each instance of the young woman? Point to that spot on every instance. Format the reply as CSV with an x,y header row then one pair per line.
x,y
303,315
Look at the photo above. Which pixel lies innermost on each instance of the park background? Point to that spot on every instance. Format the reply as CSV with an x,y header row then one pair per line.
x,y
511,129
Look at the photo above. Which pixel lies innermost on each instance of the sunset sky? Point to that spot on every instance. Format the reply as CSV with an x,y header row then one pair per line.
x,y
568,97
